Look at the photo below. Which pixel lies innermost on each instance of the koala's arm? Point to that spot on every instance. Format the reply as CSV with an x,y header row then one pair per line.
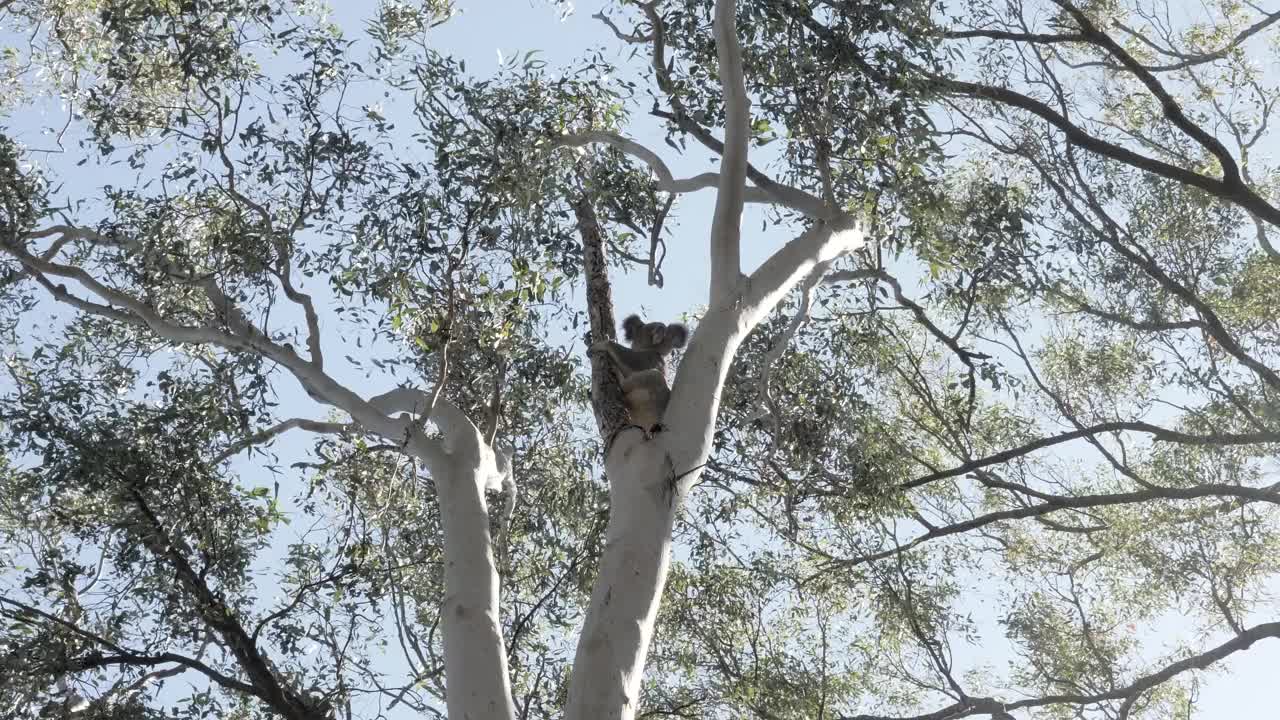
x,y
628,361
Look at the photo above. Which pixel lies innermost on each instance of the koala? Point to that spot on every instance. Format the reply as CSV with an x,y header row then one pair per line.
x,y
641,369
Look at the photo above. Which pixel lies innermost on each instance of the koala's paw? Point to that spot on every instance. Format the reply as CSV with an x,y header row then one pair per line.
x,y
598,346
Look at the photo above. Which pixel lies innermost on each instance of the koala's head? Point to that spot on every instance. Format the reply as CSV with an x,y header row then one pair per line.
x,y
655,335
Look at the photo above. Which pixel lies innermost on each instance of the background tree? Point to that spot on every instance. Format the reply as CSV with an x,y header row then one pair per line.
x,y
1010,383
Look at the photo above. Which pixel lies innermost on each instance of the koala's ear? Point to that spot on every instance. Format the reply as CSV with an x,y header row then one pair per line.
x,y
630,326
678,334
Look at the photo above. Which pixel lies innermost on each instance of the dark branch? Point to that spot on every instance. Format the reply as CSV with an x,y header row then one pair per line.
x,y
122,656
1057,503
1172,110
221,618
1229,188
1159,433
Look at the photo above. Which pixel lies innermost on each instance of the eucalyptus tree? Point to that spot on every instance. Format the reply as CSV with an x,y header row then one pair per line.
x,y
1022,338
273,206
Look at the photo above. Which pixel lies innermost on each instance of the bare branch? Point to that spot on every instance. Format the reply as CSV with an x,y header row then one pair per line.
x,y
1056,503
60,293
308,308
220,617
656,243
1263,241
1158,433
1042,38
790,197
457,428
49,254
796,260
241,335
262,436
1230,188
1235,192
1125,321
632,38
726,222
1200,661
1112,235
1187,60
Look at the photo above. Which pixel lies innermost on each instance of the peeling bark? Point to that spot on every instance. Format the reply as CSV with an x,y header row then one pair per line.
x,y
606,394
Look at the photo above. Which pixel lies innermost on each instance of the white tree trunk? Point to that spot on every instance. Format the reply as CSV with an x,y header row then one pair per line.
x,y
647,483
475,658
615,637
648,480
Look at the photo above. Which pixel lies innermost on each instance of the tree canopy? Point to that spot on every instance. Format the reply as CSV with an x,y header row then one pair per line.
x,y
980,416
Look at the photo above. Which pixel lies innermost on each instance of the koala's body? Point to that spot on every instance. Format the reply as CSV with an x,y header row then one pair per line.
x,y
641,368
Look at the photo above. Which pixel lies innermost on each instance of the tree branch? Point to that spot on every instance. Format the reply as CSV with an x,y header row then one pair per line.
x,y
1172,110
606,393
241,335
1231,190
220,617
726,222
1237,193
1211,323
788,196
308,308
665,181
1040,38
266,434
1159,434
794,261
452,421
1187,60
1057,503
122,656
977,706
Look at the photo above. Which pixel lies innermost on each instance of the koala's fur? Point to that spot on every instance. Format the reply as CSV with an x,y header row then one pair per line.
x,y
641,368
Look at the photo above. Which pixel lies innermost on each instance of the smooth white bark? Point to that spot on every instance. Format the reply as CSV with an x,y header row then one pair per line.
x,y
477,683
726,222
649,478
795,261
475,659
647,483
609,665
